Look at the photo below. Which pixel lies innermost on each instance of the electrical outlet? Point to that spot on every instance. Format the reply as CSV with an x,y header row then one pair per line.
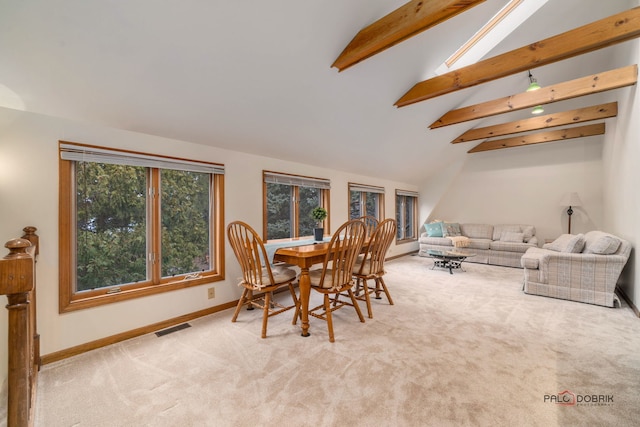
x,y
211,293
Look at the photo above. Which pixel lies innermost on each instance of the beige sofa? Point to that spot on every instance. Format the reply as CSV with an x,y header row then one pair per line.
x,y
577,267
502,244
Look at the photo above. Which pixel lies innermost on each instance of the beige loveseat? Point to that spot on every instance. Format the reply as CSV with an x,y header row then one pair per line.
x,y
577,267
502,244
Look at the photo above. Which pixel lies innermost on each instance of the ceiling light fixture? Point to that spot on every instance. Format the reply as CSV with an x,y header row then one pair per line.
x,y
533,85
537,109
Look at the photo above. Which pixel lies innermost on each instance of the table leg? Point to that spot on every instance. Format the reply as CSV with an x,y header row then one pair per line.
x,y
305,293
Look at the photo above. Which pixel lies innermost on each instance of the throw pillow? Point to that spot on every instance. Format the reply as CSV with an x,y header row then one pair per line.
x,y
451,229
434,229
510,236
499,229
528,233
598,242
571,243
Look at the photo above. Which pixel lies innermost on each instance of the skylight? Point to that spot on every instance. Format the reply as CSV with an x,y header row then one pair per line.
x,y
514,13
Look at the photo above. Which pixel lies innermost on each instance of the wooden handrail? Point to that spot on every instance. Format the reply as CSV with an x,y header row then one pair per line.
x,y
17,282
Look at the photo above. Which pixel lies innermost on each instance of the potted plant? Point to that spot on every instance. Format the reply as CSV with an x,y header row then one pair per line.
x,y
319,214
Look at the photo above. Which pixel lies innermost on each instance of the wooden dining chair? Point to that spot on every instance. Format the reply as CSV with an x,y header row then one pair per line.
x,y
370,224
259,278
336,276
370,266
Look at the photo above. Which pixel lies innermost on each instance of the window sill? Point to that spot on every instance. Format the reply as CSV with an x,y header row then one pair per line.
x,y
96,298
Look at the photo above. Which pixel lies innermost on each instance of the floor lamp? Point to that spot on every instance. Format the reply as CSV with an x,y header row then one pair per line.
x,y
571,200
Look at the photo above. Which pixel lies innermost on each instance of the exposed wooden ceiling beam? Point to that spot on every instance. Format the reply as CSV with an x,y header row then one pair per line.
x,y
580,115
608,80
540,137
404,22
597,35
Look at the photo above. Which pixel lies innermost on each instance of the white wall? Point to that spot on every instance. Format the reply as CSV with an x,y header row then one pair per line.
x,y
522,185
621,172
29,196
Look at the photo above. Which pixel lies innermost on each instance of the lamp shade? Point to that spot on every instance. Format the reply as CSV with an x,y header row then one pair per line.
x,y
533,86
570,199
537,110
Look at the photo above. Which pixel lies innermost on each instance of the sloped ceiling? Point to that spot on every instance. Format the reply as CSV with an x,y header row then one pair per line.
x,y
256,76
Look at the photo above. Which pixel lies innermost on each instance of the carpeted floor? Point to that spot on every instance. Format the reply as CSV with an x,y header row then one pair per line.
x,y
464,349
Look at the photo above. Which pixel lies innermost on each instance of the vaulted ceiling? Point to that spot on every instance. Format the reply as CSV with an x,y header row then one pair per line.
x,y
263,78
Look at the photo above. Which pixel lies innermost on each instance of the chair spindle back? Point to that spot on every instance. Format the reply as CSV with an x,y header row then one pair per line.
x,y
250,252
344,248
379,245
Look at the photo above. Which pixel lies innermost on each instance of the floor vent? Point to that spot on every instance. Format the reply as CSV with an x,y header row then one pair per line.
x,y
173,329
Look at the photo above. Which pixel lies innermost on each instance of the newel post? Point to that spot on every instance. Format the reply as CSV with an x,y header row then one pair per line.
x,y
34,364
16,281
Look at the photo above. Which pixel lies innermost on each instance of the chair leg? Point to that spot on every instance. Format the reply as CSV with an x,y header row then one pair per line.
x,y
296,302
367,298
377,289
265,315
241,302
384,288
250,297
355,305
327,309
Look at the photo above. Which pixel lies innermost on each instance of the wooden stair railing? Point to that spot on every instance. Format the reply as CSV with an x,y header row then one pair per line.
x,y
17,282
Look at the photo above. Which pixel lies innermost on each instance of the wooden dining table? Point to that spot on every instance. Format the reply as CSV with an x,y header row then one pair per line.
x,y
304,257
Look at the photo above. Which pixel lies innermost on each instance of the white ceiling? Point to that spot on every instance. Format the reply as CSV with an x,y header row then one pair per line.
x,y
255,76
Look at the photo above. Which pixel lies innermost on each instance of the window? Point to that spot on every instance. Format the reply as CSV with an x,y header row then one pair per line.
x,y
288,202
406,215
134,224
366,200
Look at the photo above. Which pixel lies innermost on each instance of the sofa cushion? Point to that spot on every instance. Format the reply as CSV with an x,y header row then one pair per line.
x,y
519,247
440,241
434,229
479,243
477,231
510,236
601,243
451,229
571,243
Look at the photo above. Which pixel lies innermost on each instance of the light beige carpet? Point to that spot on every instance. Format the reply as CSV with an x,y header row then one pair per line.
x,y
464,349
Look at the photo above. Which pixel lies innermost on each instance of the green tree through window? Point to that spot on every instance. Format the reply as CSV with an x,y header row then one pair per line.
x,y
185,222
111,225
279,211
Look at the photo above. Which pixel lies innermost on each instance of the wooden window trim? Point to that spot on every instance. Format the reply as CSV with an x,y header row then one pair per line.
x,y
69,300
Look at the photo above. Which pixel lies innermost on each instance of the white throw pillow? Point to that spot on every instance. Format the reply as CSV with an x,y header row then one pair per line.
x,y
499,229
528,232
572,243
598,242
510,236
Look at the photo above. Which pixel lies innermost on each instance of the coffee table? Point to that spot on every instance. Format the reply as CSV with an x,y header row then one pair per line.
x,y
451,259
